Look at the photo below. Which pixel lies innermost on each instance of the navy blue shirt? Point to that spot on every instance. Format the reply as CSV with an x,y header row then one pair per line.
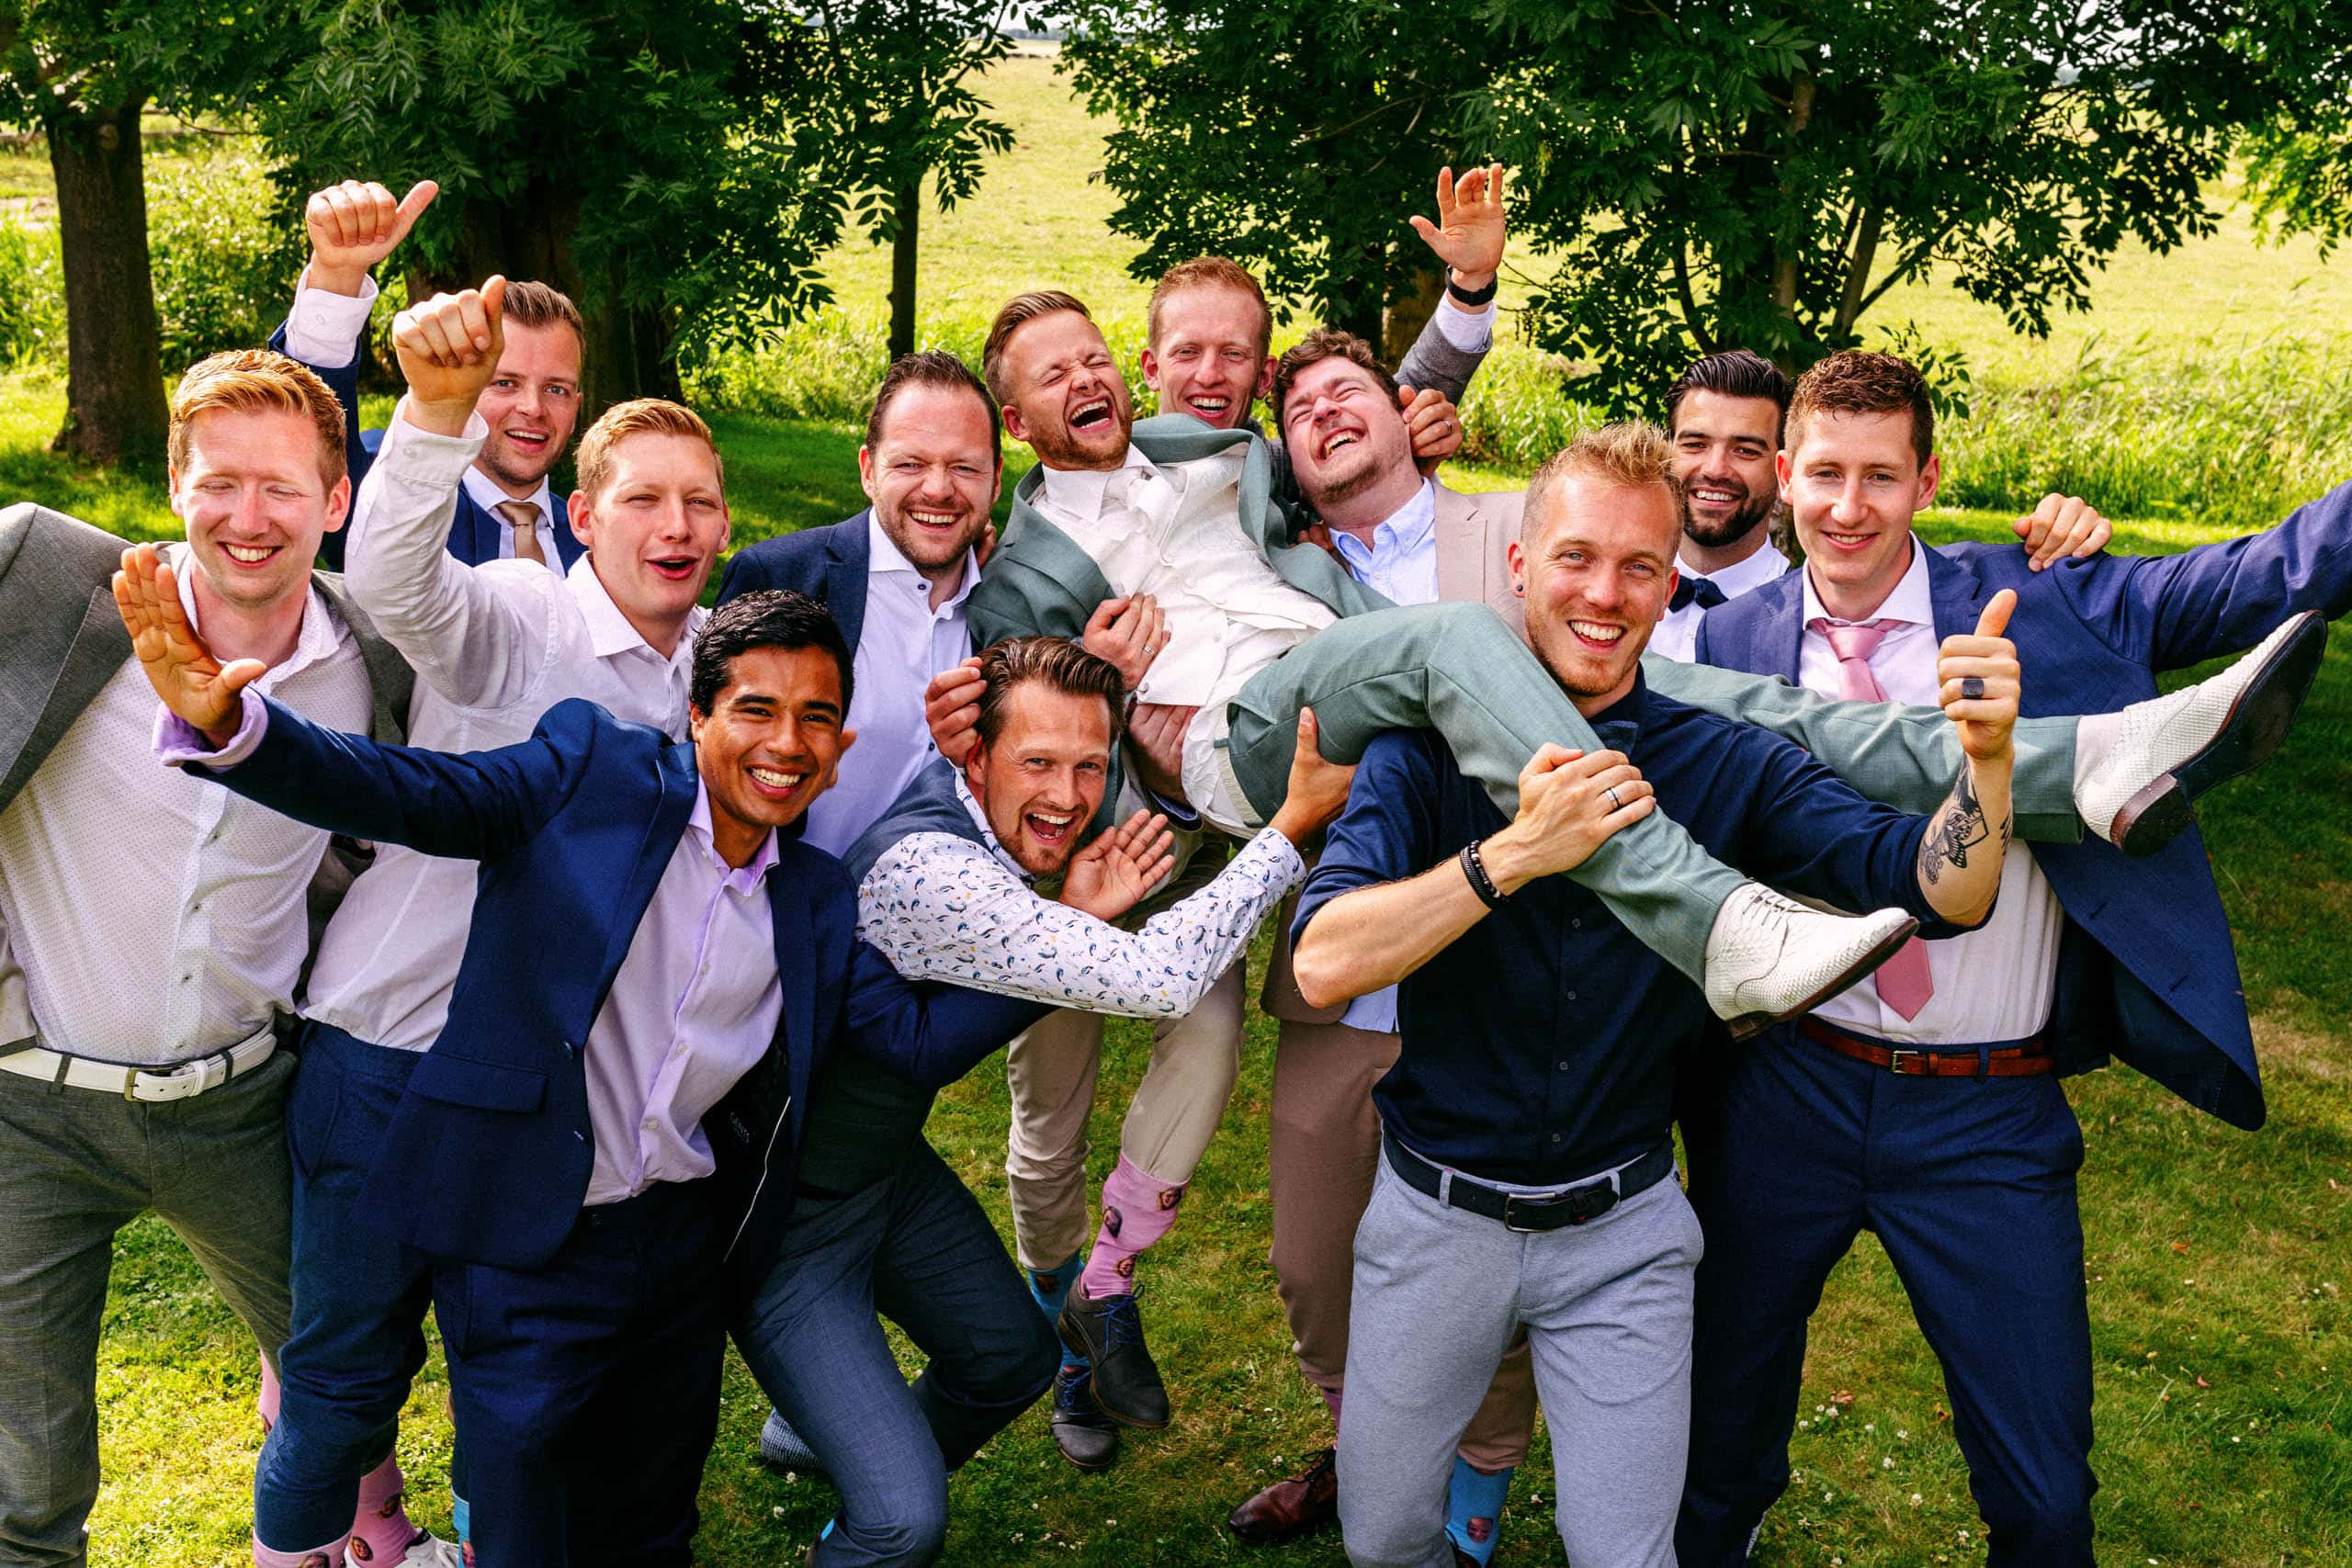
x,y
1539,1046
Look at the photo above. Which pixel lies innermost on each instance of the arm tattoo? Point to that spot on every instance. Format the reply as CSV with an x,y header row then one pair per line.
x,y
1957,828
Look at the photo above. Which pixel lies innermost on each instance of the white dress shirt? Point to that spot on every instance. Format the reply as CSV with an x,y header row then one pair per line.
x,y
1995,983
324,329
904,643
945,908
494,647
1470,328
694,1007
1677,635
1175,531
153,916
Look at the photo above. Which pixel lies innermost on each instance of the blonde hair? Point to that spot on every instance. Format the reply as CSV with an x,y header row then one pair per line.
x,y
639,416
1209,272
255,380
1632,454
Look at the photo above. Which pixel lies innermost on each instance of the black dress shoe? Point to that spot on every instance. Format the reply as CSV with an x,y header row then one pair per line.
x,y
1086,1438
1108,1332
1290,1508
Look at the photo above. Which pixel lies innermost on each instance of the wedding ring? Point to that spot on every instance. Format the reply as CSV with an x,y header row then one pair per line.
x,y
1972,687
1615,804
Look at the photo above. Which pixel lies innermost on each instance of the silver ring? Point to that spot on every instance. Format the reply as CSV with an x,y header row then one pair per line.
x,y
1972,687
1615,805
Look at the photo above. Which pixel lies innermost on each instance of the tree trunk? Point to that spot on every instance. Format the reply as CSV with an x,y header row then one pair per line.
x,y
114,399
904,248
1408,313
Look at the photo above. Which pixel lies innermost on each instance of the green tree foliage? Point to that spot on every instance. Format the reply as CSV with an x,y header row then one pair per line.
x,y
2298,158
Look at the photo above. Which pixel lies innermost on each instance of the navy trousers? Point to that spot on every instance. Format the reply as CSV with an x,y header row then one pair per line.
x,y
1968,1183
359,1299
918,1249
588,1390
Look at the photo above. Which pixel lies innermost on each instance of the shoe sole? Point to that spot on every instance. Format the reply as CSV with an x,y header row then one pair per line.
x,y
1077,1463
1076,1346
1749,1025
2251,732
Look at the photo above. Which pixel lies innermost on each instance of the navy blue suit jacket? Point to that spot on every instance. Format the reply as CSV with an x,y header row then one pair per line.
x,y
827,564
474,535
488,1157
2146,972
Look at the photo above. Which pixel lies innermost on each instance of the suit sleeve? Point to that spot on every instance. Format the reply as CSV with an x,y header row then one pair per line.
x,y
2177,610
1433,361
928,1034
748,571
343,381
477,806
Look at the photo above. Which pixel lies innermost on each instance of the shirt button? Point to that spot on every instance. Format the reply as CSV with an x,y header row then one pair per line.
x,y
1576,925
1572,996
1556,1137
652,1123
1561,1064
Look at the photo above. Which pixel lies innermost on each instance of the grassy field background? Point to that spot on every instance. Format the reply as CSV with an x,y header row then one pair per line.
x,y
2217,1259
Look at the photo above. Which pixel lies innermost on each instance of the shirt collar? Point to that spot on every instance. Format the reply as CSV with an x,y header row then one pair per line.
x,y
1765,565
320,634
1911,601
1078,491
1404,532
885,557
487,495
1620,725
742,878
987,834
609,631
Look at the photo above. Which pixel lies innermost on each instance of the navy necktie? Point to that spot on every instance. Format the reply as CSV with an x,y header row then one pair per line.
x,y
1695,590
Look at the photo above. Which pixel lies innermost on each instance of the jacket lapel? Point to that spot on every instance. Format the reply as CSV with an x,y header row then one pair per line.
x,y
845,575
1461,549
1956,595
663,830
100,646
796,1026
567,549
390,682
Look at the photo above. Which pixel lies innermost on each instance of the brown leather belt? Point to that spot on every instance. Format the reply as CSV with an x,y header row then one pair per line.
x,y
2022,1061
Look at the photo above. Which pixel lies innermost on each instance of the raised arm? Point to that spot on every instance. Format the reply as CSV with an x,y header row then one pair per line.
x,y
1467,235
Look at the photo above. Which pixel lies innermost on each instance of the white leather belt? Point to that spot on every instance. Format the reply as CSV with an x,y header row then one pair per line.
x,y
185,1081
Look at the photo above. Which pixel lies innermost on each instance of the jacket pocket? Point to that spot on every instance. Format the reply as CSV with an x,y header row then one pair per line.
x,y
483,1086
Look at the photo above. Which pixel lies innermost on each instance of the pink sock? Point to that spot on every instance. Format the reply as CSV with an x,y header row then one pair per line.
x,y
1331,1403
268,1403
327,1556
1137,1208
380,1531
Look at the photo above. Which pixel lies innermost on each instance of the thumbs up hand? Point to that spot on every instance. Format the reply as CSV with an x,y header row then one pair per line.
x,y
449,349
1979,682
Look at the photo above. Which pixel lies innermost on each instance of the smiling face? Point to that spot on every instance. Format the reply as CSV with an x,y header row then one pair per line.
x,y
653,528
1040,781
933,475
1344,432
1853,482
531,406
1723,452
771,741
1064,395
1596,567
1207,356
250,490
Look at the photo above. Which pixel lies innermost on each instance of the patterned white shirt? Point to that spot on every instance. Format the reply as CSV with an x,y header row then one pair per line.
x,y
945,908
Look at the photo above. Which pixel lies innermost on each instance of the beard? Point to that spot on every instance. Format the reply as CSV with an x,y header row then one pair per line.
x,y
924,551
1754,510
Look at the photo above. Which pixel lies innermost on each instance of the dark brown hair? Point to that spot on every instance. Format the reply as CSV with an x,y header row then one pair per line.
x,y
1322,343
1857,382
1017,313
1735,373
1055,661
932,368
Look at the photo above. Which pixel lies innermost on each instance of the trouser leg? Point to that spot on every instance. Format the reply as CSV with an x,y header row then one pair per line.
x,y
1980,1220
1050,1069
1433,1312
359,1299
1459,669
1180,1099
73,1172
1907,756
1777,1180
223,1182
1607,1306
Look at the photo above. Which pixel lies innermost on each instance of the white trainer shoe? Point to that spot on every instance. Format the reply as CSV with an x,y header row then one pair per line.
x,y
427,1551
1771,958
2138,771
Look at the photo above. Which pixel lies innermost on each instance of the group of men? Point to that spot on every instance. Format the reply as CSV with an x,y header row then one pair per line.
x,y
487,927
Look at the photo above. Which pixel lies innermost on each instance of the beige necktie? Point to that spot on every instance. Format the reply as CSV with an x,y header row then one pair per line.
x,y
523,516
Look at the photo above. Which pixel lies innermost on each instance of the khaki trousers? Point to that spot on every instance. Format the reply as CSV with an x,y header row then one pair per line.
x,y
1326,1152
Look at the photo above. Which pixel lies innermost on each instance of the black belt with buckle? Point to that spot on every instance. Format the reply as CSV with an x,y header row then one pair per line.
x,y
1529,1212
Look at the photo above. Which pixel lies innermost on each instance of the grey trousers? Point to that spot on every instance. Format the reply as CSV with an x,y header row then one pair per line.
x,y
1458,668
1439,1293
75,1166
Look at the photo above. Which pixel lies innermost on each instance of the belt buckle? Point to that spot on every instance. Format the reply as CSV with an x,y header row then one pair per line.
x,y
1894,1055
183,1082
1511,1202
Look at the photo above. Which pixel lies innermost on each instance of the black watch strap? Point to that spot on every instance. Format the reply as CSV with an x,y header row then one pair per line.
x,y
1474,297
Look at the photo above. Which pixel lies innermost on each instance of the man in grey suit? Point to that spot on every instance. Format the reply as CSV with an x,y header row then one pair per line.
x,y
139,1060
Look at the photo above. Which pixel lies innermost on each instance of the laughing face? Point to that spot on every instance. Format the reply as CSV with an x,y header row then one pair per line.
x,y
932,474
255,502
1065,397
1342,431
1596,568
1724,450
531,406
1853,482
1208,358
1040,780
773,737
654,529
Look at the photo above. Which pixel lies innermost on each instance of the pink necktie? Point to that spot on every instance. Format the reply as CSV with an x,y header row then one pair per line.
x,y
1904,981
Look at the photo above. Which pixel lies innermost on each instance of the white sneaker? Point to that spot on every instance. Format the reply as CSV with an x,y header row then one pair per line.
x,y
2137,771
427,1551
1770,958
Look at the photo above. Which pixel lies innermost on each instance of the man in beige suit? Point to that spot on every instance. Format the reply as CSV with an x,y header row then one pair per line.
x,y
1414,541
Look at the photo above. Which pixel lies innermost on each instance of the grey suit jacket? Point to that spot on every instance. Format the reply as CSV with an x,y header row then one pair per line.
x,y
1474,539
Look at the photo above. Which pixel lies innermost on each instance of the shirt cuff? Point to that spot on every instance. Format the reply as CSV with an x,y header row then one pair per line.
x,y
1284,860
324,329
179,742
1469,330
415,453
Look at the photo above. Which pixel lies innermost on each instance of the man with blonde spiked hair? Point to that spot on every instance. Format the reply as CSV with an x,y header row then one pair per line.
x,y
147,955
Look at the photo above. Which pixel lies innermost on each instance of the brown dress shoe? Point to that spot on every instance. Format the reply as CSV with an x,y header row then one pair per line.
x,y
1288,1509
